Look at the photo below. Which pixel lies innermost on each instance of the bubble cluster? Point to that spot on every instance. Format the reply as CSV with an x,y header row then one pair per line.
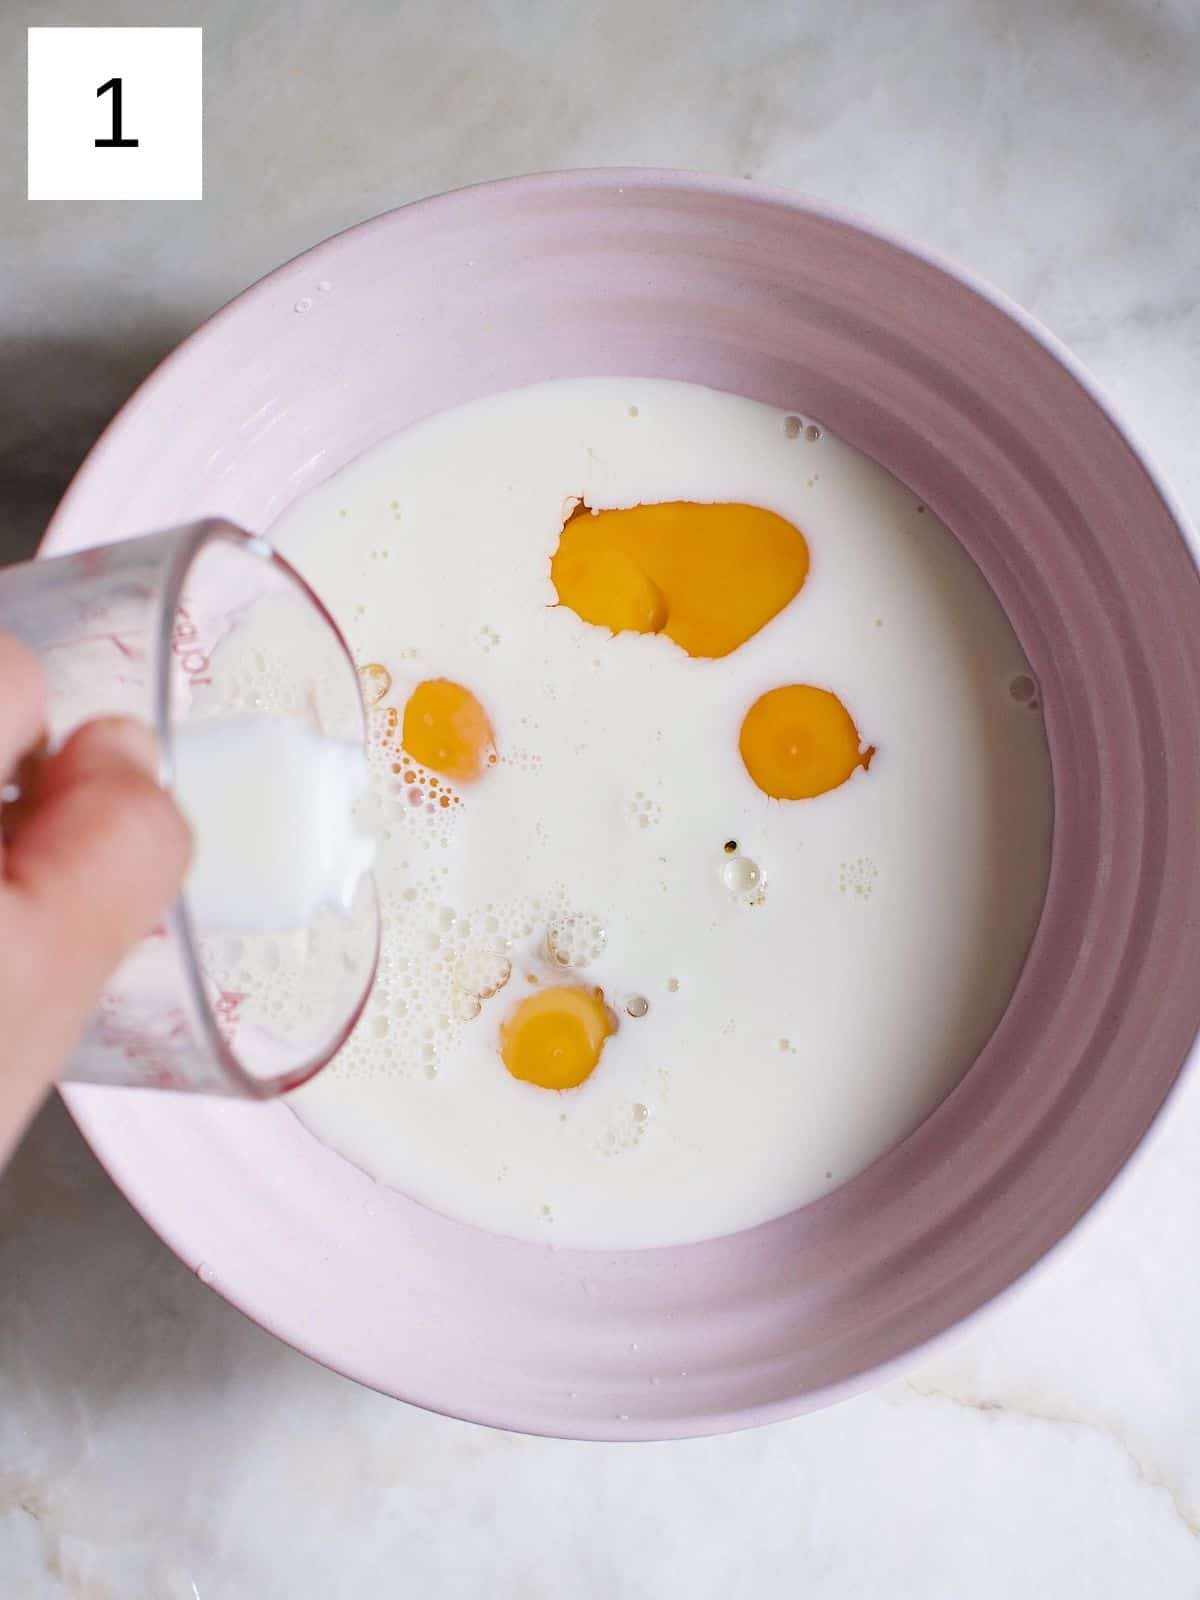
x,y
441,967
248,676
403,798
625,1130
857,877
287,985
520,758
643,811
482,970
487,639
575,940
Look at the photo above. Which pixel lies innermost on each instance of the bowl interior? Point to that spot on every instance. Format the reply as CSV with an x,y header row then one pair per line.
x,y
741,289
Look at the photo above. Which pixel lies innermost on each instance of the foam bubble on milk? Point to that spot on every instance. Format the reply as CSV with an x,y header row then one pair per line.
x,y
625,1130
402,798
575,941
441,972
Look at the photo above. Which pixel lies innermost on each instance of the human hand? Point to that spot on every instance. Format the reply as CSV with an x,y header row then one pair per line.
x,y
96,856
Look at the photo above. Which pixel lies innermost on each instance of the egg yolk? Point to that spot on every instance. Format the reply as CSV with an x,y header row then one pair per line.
x,y
554,1038
707,576
798,742
447,730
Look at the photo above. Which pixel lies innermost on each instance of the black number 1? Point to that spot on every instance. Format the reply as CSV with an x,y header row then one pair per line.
x,y
115,141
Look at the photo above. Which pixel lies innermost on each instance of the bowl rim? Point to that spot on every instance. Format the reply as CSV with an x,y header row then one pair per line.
x,y
646,179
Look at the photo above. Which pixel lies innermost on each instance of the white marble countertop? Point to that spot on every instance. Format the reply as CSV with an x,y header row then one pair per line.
x,y
152,1441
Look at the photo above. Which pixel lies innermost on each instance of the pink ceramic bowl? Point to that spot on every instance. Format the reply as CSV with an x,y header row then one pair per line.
x,y
996,427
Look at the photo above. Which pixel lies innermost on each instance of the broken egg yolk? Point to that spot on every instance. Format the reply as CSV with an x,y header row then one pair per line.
x,y
554,1038
447,730
798,742
707,576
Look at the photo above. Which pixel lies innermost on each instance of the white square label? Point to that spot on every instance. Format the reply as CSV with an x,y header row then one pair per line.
x,y
116,114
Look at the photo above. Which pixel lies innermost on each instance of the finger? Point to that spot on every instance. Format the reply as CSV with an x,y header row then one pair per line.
x,y
22,702
101,855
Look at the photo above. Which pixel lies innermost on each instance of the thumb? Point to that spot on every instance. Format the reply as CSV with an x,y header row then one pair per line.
x,y
99,856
